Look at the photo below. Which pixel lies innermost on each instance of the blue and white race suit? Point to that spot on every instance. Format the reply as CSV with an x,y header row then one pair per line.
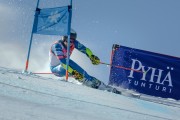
x,y
58,56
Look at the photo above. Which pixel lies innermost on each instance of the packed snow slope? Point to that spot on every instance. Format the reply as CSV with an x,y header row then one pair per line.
x,y
33,97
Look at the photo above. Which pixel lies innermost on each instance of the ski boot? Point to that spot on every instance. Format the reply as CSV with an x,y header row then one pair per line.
x,y
92,83
108,88
97,84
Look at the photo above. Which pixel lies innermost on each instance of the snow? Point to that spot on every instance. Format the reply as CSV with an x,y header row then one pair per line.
x,y
33,97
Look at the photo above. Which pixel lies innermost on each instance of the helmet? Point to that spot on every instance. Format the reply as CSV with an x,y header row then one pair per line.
x,y
73,35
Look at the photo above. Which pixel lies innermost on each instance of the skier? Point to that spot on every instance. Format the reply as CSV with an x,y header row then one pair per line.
x,y
58,55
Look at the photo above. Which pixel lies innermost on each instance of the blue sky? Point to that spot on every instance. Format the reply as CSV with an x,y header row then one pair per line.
x,y
151,25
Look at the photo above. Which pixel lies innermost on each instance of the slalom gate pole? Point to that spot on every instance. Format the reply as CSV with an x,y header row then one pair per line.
x,y
121,67
69,33
30,43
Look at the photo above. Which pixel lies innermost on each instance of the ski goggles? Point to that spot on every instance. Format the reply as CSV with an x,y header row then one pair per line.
x,y
71,39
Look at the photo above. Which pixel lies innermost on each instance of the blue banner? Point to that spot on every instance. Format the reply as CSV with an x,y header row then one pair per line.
x,y
149,73
51,21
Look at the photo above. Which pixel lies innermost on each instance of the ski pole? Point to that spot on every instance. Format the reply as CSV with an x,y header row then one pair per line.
x,y
43,73
121,67
50,73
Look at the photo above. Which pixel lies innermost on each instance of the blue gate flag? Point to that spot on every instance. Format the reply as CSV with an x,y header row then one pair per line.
x,y
51,21
160,74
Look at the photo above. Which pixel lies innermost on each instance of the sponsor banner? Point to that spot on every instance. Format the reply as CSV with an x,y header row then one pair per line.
x,y
148,73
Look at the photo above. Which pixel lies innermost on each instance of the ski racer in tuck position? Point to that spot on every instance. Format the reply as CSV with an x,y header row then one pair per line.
x,y
58,56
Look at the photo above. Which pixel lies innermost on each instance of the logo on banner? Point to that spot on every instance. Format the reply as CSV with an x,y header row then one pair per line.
x,y
151,78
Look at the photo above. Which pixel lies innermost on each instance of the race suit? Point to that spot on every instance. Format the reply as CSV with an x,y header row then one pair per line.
x,y
58,55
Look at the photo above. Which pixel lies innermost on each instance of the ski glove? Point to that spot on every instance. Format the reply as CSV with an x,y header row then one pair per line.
x,y
77,76
95,60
